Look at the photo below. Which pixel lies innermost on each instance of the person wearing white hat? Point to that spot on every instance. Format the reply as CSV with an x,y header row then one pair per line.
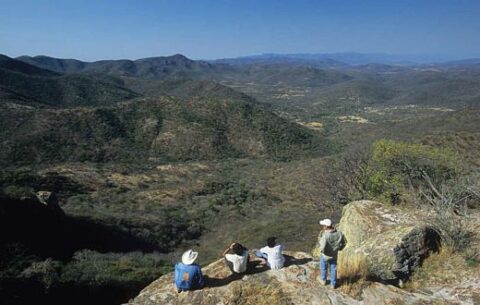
x,y
331,242
188,275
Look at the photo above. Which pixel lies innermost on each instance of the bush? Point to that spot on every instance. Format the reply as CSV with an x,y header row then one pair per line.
x,y
453,230
397,166
45,272
18,192
91,268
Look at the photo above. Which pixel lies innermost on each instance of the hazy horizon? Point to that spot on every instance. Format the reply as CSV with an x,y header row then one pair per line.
x,y
213,29
433,57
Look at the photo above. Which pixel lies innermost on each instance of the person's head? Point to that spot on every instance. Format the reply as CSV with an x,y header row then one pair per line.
x,y
238,249
326,223
271,242
189,257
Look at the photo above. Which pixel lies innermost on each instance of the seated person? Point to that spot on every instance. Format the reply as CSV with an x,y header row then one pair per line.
x,y
272,253
188,276
238,259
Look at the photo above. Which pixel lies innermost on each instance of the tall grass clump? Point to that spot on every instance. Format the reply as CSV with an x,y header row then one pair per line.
x,y
352,271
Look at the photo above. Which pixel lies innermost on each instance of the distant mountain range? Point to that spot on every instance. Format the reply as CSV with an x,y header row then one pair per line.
x,y
119,110
71,82
172,67
44,81
179,67
338,59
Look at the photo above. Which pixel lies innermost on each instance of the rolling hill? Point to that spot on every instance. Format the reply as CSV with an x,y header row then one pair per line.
x,y
188,88
165,67
179,67
164,129
24,84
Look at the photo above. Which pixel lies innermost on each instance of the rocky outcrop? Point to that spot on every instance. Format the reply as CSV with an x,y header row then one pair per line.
x,y
50,201
393,243
296,283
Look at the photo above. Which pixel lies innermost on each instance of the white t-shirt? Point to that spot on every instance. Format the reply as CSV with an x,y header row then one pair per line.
x,y
275,257
239,262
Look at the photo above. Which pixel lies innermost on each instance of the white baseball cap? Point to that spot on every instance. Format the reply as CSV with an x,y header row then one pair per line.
x,y
189,257
326,222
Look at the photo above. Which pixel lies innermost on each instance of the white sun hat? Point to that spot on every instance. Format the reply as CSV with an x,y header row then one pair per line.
x,y
189,257
326,222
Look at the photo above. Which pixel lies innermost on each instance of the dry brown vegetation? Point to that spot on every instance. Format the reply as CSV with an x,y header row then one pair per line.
x,y
352,273
443,268
258,294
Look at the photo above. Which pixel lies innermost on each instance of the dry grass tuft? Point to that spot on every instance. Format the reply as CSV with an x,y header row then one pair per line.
x,y
258,294
352,273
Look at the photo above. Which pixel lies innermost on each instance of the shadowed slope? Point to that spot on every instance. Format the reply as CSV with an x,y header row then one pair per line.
x,y
24,84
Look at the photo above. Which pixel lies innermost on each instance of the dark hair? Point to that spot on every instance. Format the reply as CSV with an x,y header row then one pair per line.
x,y
238,249
271,241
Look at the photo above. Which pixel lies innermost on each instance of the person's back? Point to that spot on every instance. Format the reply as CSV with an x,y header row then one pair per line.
x,y
273,254
331,242
188,276
237,259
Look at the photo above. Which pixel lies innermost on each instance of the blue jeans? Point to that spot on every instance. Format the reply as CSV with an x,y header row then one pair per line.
x,y
324,264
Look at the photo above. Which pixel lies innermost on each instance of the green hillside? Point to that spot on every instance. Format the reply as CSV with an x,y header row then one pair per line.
x,y
166,129
171,67
24,84
54,64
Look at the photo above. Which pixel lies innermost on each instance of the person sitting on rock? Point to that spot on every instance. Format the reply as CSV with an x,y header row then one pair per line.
x,y
331,242
188,276
272,253
237,260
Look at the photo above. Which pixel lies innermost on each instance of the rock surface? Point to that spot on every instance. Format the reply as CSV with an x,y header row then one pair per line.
x,y
296,283
49,200
393,243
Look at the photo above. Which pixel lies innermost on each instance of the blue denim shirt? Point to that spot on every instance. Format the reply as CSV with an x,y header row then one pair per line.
x,y
188,277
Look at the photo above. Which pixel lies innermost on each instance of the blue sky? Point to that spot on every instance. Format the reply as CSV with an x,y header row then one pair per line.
x,y
207,29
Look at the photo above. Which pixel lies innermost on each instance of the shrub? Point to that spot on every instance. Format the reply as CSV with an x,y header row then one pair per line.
x,y
18,192
453,228
45,272
453,231
93,269
396,166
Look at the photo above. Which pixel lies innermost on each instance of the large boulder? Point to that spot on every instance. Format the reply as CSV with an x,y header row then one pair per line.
x,y
392,242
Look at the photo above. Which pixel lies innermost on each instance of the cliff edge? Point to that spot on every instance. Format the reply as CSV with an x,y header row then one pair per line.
x,y
392,243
